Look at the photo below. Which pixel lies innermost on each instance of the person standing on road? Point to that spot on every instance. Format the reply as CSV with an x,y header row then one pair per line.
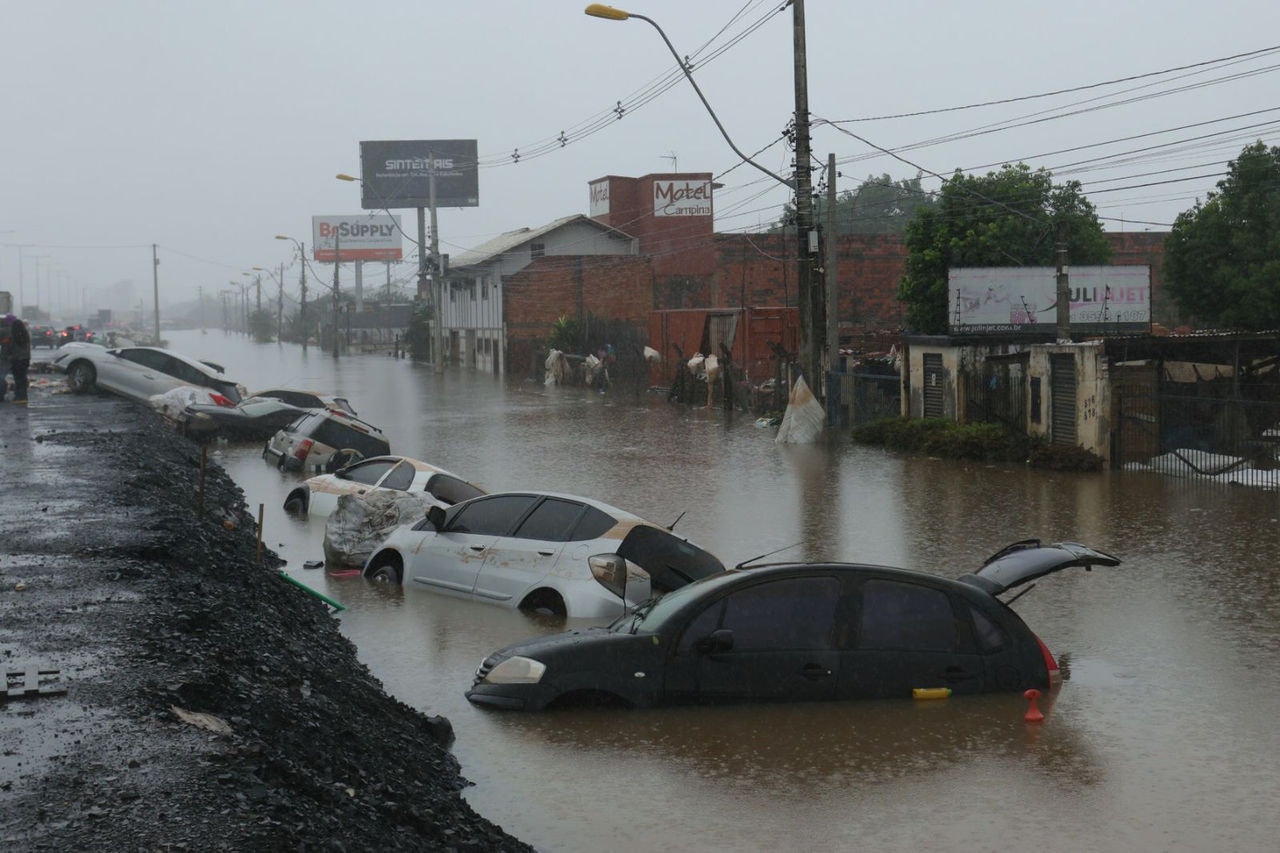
x,y
15,355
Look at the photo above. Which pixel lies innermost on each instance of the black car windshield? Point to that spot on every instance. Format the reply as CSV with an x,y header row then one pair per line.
x,y
660,612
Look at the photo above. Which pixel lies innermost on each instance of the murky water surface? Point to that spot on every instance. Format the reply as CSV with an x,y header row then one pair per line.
x,y
1165,735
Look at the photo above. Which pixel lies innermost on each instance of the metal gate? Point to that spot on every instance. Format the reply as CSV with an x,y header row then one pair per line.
x,y
1062,399
934,374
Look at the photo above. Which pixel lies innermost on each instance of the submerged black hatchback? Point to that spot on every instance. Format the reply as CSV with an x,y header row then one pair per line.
x,y
796,632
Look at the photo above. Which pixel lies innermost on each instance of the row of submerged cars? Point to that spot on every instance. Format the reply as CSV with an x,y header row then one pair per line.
x,y
681,627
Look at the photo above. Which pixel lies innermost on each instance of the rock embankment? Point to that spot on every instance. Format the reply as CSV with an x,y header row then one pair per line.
x,y
209,704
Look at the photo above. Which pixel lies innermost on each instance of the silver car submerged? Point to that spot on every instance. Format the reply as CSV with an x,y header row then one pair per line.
x,y
568,555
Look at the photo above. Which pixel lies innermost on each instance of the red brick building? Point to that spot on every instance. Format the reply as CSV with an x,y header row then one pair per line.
x,y
683,264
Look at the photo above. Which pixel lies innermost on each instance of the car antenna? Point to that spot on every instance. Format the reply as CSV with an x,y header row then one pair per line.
x,y
744,563
672,525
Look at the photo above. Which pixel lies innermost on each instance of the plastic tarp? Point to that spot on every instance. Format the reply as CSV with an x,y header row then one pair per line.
x,y
804,419
173,403
360,522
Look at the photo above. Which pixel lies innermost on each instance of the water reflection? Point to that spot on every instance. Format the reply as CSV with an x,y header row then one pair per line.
x,y
1163,738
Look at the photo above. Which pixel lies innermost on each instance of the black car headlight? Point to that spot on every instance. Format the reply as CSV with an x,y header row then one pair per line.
x,y
516,670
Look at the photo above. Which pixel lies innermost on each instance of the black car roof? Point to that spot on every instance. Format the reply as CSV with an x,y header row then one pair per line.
x,y
1013,565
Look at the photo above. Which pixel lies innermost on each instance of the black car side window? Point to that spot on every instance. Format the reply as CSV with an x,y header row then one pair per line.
x,y
793,614
368,473
906,617
491,516
552,521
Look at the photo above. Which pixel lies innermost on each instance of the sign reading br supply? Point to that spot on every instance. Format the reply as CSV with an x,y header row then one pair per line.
x,y
366,237
681,198
399,174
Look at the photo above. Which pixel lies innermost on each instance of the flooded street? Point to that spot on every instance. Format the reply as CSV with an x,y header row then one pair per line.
x,y
1164,735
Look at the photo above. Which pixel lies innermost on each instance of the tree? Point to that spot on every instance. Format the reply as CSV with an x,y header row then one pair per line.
x,y
1008,218
1222,258
262,325
880,205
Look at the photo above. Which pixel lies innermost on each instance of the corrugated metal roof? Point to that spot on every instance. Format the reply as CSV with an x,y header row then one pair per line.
x,y
503,243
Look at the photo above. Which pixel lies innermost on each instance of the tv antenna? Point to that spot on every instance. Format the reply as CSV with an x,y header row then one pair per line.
x,y
675,167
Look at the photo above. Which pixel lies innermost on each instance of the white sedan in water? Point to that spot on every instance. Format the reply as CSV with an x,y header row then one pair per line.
x,y
318,496
141,373
571,556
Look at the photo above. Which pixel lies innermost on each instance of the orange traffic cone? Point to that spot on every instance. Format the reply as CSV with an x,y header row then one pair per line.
x,y
1033,714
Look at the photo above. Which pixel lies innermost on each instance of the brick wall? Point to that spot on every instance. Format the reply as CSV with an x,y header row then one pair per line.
x,y
752,270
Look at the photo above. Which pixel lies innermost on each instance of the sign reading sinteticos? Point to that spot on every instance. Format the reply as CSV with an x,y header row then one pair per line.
x,y
366,237
1025,299
399,174
681,198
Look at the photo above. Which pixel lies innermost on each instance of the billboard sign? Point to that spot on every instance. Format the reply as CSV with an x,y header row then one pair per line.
x,y
398,174
364,237
599,198
1025,299
681,198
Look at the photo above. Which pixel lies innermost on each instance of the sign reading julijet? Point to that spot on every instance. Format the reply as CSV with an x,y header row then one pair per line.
x,y
1024,300
365,237
398,174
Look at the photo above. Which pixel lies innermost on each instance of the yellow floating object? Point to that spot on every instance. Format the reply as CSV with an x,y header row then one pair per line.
x,y
931,693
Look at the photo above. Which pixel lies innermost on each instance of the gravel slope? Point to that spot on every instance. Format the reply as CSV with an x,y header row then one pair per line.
x,y
209,704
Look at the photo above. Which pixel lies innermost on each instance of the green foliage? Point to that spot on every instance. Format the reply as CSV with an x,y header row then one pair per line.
x,y
566,334
880,205
1002,219
262,325
1222,258
976,442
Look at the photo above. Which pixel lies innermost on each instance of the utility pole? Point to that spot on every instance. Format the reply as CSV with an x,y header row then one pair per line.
x,y
302,312
155,286
832,261
280,303
257,283
1064,285
812,327
436,277
337,264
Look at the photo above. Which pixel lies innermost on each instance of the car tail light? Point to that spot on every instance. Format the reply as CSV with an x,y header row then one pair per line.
x,y
1055,674
610,571
303,448
221,400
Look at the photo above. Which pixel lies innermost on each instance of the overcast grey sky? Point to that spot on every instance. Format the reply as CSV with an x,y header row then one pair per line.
x,y
209,127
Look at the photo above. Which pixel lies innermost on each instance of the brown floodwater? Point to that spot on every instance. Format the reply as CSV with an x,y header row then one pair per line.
x,y
1163,736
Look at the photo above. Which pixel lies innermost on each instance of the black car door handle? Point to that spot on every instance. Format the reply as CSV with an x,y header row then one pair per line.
x,y
813,671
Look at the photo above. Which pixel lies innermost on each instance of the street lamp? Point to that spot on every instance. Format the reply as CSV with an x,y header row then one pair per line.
x,y
302,312
811,323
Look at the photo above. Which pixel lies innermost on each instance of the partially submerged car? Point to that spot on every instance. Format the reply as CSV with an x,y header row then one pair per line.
x,y
140,373
318,495
324,440
252,419
796,632
571,556
308,399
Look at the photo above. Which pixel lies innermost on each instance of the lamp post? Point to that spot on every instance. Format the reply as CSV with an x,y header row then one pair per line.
x,y
812,327
302,312
437,292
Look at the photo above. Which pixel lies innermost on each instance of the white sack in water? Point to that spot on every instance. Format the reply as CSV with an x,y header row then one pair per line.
x,y
360,522
651,355
804,419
